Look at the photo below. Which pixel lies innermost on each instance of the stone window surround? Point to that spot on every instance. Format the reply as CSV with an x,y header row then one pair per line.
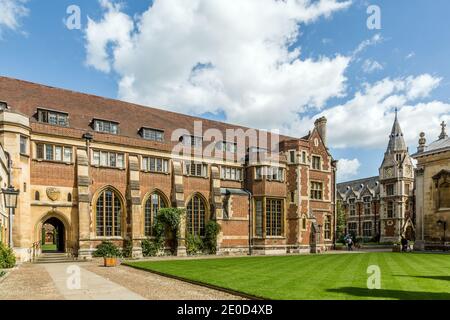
x,y
35,144
264,235
92,151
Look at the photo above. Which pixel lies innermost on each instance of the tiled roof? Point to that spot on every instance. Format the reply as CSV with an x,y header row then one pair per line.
x,y
438,145
345,188
26,97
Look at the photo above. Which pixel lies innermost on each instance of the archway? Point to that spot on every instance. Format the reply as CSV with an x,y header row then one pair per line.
x,y
53,237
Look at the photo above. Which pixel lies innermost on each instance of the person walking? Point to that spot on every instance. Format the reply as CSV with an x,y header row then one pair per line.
x,y
404,243
350,244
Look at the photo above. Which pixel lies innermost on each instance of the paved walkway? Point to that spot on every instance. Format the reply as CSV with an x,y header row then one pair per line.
x,y
74,282
60,282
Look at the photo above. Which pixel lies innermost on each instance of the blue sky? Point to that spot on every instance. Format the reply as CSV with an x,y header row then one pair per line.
x,y
414,40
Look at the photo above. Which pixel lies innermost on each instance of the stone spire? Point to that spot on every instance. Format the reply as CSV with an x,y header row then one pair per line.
x,y
443,134
396,140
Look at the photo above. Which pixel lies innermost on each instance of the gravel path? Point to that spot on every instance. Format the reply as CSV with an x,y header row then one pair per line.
x,y
29,282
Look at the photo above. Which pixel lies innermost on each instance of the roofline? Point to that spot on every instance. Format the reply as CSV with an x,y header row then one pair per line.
x,y
427,153
357,180
141,106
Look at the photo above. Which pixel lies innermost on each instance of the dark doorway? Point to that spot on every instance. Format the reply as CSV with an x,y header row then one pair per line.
x,y
53,236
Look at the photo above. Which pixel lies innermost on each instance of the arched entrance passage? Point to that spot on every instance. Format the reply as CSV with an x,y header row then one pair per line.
x,y
53,236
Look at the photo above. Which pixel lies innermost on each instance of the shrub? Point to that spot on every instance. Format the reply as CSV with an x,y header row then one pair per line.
x,y
107,249
127,251
194,244
212,230
7,257
150,248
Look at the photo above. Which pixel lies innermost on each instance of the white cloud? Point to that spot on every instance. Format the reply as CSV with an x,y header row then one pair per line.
x,y
410,55
370,66
366,120
376,39
11,11
218,56
230,57
421,86
347,169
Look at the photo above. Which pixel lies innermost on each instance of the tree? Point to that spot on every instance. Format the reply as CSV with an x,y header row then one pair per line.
x,y
341,221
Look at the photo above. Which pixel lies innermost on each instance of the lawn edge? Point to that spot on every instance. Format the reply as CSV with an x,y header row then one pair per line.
x,y
198,283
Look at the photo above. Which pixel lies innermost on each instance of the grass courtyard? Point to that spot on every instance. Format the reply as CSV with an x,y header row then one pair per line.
x,y
330,276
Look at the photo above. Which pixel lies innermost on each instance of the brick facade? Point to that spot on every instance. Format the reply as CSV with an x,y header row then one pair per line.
x,y
298,223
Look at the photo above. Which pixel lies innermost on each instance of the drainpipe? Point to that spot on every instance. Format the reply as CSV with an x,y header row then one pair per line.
x,y
250,222
11,217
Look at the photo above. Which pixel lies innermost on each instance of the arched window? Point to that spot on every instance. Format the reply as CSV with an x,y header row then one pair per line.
x,y
109,214
196,212
444,195
152,206
69,197
37,196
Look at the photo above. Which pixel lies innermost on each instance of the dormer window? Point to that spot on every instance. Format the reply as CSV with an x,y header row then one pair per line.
x,y
3,105
106,126
152,134
53,117
192,141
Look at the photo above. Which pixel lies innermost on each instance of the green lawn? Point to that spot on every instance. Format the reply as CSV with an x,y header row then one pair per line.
x,y
331,276
49,247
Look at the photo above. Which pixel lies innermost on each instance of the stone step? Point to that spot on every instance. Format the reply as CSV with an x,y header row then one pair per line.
x,y
54,258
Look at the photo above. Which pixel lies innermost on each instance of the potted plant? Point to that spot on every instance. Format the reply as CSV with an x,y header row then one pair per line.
x,y
110,253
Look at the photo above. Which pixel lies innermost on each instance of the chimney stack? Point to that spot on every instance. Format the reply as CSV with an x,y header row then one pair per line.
x,y
321,126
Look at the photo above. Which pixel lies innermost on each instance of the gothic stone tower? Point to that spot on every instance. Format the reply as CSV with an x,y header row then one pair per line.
x,y
397,185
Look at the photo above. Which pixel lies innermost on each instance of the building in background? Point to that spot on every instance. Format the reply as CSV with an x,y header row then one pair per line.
x,y
381,208
99,169
432,191
360,200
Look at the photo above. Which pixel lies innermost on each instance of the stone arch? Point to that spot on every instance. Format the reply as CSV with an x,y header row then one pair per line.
x,y
53,217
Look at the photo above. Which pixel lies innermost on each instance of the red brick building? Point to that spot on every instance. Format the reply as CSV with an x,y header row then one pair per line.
x,y
103,168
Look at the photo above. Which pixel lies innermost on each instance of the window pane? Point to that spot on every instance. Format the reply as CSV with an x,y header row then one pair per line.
x,y
52,118
259,218
23,145
58,153
112,160
121,160
67,154
152,164
145,163
96,158
48,152
104,159
40,151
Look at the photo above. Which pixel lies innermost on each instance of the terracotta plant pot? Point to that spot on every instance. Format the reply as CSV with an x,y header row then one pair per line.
x,y
110,262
